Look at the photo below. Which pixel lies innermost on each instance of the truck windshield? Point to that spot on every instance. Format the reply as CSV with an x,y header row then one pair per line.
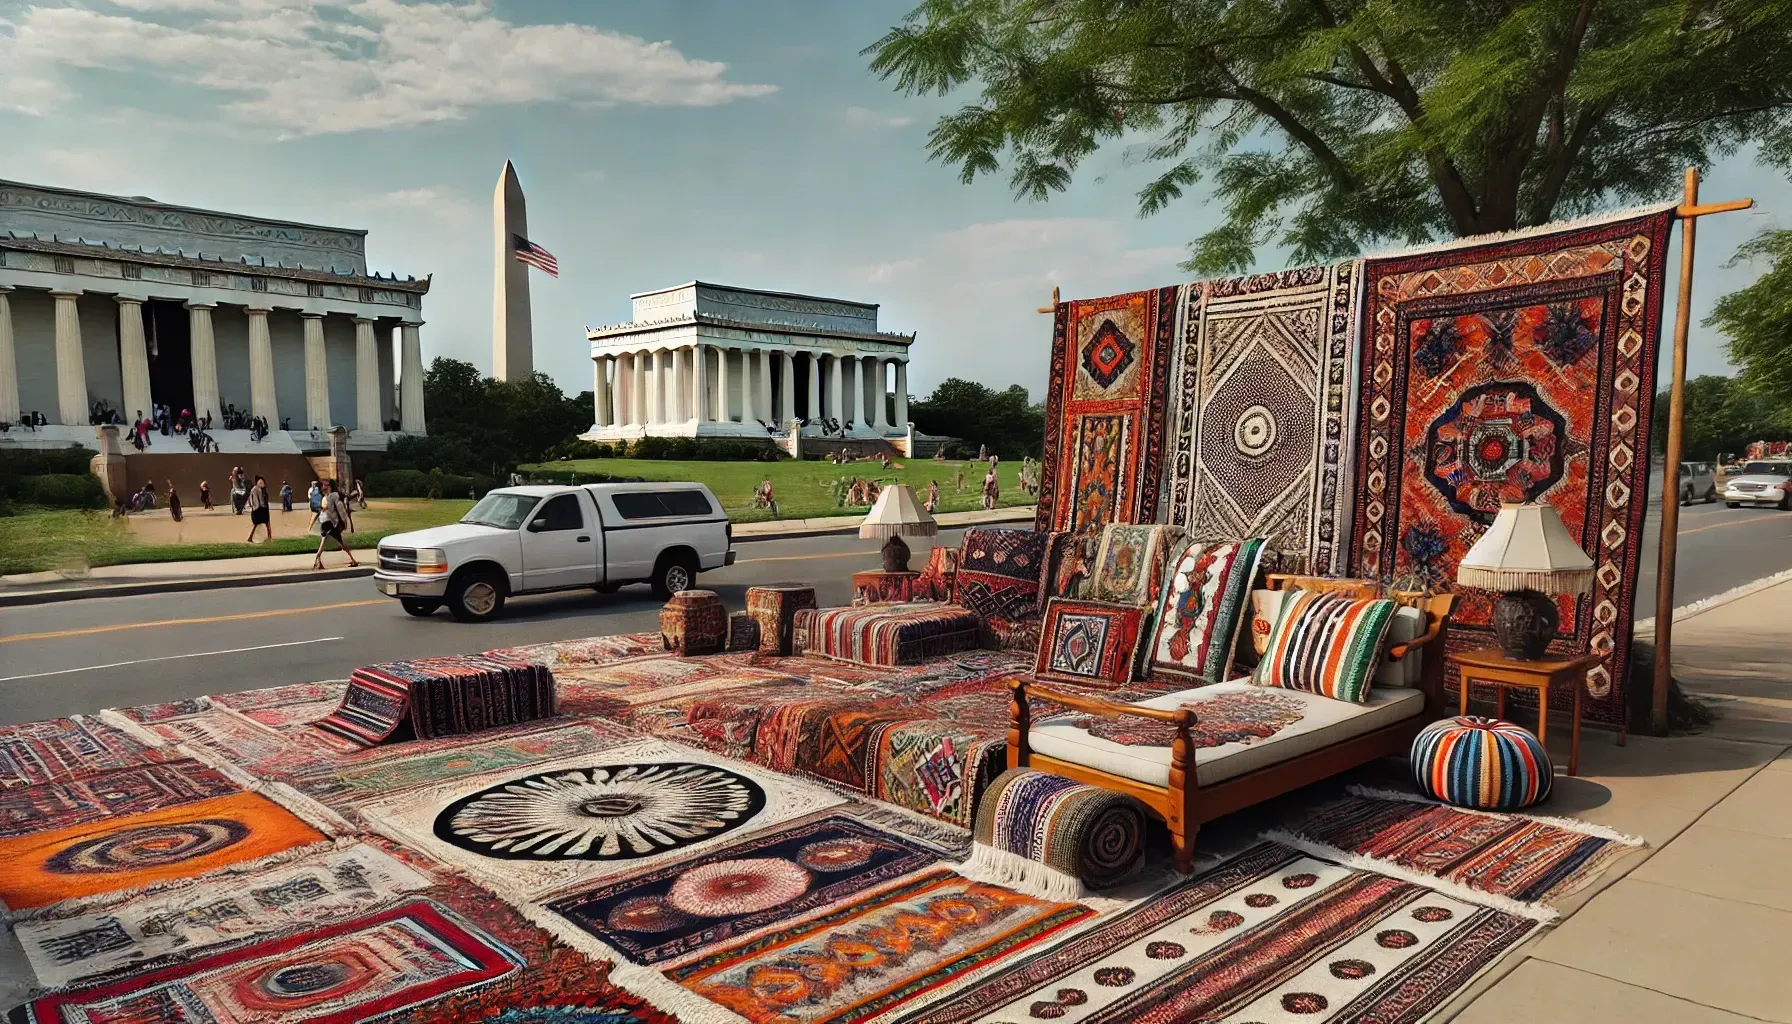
x,y
1767,469
504,511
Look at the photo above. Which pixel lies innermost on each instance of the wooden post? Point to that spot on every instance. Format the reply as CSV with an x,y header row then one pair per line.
x,y
1053,308
1689,213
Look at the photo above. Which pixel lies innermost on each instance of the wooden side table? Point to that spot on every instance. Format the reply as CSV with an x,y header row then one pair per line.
x,y
1492,668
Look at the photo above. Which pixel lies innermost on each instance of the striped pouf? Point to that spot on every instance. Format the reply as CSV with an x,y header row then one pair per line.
x,y
1481,763
1052,837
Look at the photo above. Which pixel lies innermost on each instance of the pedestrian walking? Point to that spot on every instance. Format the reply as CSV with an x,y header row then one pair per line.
x,y
205,495
173,502
315,498
331,519
257,502
992,491
933,496
285,497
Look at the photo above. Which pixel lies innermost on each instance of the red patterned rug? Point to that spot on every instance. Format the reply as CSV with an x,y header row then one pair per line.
x,y
1519,370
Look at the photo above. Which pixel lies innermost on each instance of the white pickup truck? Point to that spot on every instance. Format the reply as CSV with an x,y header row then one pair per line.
x,y
523,540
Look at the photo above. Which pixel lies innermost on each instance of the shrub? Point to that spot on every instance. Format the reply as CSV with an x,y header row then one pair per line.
x,y
59,490
572,476
706,449
578,448
413,483
72,461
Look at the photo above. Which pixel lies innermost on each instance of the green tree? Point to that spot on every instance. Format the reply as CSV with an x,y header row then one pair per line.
x,y
980,415
1723,415
1758,319
1325,125
481,426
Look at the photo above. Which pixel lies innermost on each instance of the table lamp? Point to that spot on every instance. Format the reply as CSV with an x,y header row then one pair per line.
x,y
1528,555
897,515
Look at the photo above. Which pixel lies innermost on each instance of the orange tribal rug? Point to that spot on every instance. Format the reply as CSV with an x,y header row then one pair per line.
x,y
136,850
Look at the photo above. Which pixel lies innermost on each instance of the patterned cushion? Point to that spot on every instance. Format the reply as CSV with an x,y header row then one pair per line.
x,y
999,572
1069,558
1482,763
1129,564
1089,643
885,634
1327,644
1204,601
935,581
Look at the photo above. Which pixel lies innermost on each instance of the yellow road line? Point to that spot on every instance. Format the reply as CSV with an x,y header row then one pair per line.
x,y
805,558
1727,522
58,634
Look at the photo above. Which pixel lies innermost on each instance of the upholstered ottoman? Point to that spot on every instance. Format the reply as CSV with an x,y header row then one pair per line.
x,y
885,634
1481,763
694,622
774,607
743,632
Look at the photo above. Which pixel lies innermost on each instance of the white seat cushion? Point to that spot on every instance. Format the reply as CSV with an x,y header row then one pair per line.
x,y
1321,722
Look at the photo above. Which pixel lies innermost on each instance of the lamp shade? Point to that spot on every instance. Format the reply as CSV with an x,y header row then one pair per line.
x,y
1527,548
897,514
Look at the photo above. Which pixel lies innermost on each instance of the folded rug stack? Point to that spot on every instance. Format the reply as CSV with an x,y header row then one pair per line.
x,y
1049,836
885,634
430,697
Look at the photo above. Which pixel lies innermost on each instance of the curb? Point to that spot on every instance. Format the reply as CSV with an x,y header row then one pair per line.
x,y
173,586
1646,627
178,584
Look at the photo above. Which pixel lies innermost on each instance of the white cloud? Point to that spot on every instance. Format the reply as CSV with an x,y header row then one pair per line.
x,y
865,117
310,67
887,271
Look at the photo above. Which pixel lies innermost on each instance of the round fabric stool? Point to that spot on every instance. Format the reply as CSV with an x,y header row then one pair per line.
x,y
1053,837
1482,763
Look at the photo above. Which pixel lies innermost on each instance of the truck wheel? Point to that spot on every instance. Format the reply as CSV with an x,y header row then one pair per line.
x,y
672,574
421,607
477,597
1711,495
1786,502
1686,496
1732,504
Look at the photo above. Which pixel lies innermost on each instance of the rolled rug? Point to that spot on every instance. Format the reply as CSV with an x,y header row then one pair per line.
x,y
1054,838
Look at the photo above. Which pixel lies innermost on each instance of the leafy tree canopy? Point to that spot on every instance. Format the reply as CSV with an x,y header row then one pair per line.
x,y
1724,414
977,414
1758,319
482,426
1325,125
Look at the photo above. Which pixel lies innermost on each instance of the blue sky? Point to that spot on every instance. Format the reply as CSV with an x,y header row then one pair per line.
x,y
732,141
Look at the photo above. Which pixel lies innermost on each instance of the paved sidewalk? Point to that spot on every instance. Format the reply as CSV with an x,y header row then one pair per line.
x,y
41,586
1698,928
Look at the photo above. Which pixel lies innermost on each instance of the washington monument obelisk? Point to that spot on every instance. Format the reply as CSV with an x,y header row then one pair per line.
x,y
513,345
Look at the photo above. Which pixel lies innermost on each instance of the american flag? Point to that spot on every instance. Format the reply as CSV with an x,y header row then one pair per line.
x,y
534,255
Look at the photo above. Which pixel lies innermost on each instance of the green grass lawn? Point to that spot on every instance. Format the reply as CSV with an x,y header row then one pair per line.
x,y
802,487
34,541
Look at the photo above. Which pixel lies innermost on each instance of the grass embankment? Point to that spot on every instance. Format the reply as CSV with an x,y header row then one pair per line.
x,y
802,488
34,541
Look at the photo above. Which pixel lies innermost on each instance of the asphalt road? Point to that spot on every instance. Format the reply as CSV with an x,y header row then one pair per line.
x,y
82,656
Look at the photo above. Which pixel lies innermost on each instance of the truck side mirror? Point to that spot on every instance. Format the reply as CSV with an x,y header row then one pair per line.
x,y
538,525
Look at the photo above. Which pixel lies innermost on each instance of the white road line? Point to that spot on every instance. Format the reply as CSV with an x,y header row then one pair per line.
x,y
171,657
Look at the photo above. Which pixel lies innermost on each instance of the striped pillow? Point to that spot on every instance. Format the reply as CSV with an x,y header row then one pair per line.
x,y
1327,644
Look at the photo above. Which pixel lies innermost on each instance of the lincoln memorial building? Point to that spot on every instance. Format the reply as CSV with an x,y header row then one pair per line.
x,y
711,360
110,304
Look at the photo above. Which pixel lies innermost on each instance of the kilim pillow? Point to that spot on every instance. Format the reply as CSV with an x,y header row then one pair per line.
x,y
1327,644
1129,564
999,572
1089,643
1203,601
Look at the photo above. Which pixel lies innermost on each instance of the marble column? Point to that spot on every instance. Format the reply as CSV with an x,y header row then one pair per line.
x,y
766,411
317,374
204,351
9,361
410,379
902,395
724,381
855,391
367,377
261,369
71,371
621,402
700,384
786,388
655,362
836,376
638,390
133,359
814,409
879,392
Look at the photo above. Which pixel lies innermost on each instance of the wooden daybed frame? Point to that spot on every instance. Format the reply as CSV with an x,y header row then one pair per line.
x,y
1185,804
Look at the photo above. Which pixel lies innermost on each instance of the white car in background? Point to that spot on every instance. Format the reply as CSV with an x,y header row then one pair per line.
x,y
1766,482
523,540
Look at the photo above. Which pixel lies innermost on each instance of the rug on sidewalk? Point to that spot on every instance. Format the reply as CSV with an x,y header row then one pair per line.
x,y
1518,861
1271,934
89,798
